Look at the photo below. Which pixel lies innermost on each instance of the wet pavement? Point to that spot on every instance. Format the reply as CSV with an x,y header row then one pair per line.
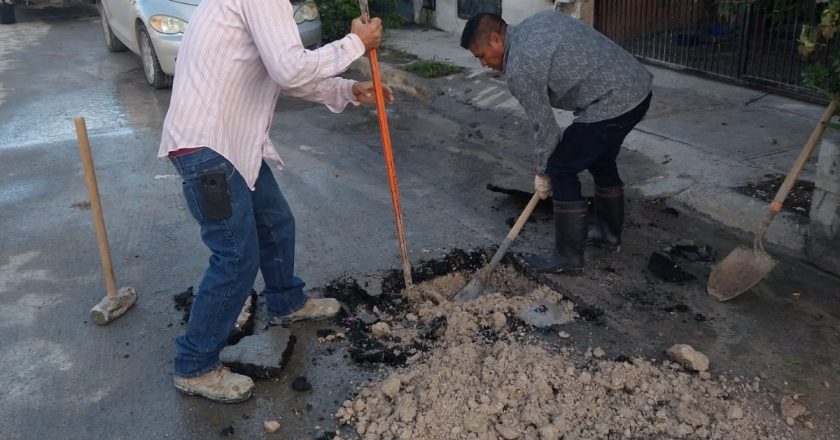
x,y
65,377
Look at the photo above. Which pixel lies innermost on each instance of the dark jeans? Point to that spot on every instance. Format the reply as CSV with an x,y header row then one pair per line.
x,y
592,147
258,235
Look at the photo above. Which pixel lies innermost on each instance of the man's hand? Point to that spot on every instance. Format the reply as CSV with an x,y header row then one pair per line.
x,y
542,186
369,33
364,93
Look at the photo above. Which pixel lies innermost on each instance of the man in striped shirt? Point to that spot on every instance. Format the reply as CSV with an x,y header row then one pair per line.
x,y
236,58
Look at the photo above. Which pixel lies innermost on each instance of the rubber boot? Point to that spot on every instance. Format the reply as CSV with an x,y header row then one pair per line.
x,y
609,218
569,238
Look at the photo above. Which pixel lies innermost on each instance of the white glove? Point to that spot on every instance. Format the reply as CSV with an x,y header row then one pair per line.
x,y
542,186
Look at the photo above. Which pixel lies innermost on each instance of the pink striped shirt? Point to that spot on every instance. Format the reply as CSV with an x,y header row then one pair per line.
x,y
236,58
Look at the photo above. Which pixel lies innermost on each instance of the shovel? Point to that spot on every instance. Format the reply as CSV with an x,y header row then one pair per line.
x,y
476,286
743,268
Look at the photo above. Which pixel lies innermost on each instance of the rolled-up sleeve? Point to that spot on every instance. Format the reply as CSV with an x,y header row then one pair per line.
x,y
275,33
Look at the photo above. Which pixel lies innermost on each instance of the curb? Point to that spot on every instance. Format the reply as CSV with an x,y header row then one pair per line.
x,y
724,206
710,202
709,193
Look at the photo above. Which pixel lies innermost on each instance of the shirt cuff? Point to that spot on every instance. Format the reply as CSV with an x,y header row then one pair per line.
x,y
347,92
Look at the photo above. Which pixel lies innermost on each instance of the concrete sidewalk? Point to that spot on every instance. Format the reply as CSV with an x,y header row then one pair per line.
x,y
708,138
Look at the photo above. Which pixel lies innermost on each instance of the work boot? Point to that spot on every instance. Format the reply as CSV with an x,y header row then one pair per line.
x,y
220,385
569,237
609,218
313,309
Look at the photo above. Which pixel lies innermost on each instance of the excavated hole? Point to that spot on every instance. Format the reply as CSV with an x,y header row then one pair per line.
x,y
383,299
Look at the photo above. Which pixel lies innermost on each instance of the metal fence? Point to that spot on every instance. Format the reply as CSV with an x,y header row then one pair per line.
x,y
751,41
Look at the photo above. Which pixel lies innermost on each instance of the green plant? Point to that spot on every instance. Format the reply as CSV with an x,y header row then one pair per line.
x,y
822,75
336,15
433,68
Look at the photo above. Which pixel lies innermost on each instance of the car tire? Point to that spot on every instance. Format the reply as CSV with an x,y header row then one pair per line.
x,y
7,13
151,66
111,41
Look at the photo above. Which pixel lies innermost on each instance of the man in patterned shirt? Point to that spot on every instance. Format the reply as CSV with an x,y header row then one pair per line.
x,y
552,60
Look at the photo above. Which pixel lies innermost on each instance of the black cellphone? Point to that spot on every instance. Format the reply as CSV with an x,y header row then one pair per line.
x,y
214,195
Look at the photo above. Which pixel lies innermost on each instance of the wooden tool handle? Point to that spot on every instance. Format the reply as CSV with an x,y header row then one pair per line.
x,y
816,135
520,222
96,207
514,232
793,174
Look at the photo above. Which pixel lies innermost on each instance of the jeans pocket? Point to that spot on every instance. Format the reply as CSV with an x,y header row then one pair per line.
x,y
192,194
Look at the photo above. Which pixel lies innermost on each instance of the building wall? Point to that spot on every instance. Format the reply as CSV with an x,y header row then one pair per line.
x,y
445,17
514,11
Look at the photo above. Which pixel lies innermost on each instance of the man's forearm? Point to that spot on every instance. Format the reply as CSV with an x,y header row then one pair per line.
x,y
335,93
546,140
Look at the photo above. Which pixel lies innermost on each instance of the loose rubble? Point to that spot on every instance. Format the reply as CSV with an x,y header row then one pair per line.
x,y
792,410
688,357
486,376
271,426
380,330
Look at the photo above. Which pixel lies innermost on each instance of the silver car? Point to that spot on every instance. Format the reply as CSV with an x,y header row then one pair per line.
x,y
153,30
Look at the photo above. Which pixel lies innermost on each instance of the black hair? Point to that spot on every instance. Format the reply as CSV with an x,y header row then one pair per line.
x,y
478,28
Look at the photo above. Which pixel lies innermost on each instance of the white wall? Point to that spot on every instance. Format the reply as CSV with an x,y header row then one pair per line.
x,y
514,11
445,17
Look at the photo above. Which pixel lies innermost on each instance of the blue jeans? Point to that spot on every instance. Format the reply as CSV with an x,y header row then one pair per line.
x,y
593,147
258,235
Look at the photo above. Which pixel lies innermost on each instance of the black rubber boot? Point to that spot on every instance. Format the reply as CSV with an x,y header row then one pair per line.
x,y
609,218
569,238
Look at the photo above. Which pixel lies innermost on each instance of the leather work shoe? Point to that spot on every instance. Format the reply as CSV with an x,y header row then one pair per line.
x,y
219,385
313,309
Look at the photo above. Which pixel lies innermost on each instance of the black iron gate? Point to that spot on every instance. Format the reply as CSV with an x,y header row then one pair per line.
x,y
752,41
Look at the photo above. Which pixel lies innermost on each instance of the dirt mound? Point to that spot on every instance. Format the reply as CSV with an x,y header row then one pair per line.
x,y
487,375
512,390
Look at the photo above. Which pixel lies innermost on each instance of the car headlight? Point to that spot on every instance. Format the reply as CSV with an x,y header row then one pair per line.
x,y
168,25
307,11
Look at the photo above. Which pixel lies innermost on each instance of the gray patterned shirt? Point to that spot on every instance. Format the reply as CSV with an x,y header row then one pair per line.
x,y
555,60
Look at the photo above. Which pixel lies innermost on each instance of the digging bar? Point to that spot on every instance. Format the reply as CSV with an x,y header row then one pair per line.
x,y
386,148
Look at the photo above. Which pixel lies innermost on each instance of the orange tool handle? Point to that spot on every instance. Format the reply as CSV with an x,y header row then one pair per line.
x,y
389,155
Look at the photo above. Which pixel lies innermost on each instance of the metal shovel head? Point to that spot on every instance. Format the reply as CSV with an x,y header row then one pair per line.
x,y
742,269
472,290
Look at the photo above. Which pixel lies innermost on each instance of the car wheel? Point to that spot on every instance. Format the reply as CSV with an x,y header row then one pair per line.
x,y
111,41
7,13
151,66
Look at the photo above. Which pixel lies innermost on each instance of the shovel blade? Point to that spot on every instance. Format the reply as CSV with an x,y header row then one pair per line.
x,y
742,269
472,290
